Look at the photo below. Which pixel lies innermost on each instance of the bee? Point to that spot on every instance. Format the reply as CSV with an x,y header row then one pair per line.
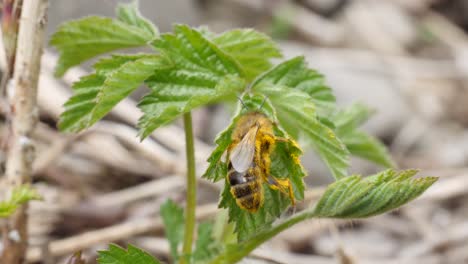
x,y
248,159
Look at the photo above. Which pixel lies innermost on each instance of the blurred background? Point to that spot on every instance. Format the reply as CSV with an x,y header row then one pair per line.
x,y
408,60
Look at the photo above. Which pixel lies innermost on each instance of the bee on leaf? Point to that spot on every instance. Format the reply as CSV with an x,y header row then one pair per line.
x,y
248,159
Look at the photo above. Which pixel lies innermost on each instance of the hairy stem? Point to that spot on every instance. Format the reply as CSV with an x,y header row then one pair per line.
x,y
24,116
191,200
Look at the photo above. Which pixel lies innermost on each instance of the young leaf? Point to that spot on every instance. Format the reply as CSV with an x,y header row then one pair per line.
x,y
191,51
173,218
358,142
367,147
96,94
206,247
351,118
294,74
284,164
201,74
296,112
252,49
351,197
129,14
355,197
83,39
19,196
118,255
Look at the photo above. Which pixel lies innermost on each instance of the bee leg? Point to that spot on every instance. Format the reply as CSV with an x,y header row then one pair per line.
x,y
282,185
291,194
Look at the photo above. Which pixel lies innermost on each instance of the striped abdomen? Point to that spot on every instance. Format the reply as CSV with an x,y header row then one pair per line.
x,y
246,187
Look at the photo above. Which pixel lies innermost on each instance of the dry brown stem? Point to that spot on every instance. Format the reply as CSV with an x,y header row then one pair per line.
x,y
24,115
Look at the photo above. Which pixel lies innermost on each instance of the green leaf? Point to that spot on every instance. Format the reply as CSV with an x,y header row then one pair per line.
x,y
173,219
206,246
83,39
19,196
351,118
295,75
367,147
118,255
358,142
285,163
163,106
129,14
296,112
217,169
96,94
202,74
355,197
252,49
191,51
351,197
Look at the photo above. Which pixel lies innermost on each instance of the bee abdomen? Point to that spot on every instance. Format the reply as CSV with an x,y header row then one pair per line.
x,y
246,188
250,202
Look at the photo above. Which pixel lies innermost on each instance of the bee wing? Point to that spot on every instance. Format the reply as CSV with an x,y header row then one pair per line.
x,y
242,155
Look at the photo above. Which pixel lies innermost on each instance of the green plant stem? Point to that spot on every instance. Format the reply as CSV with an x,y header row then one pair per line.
x,y
191,200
